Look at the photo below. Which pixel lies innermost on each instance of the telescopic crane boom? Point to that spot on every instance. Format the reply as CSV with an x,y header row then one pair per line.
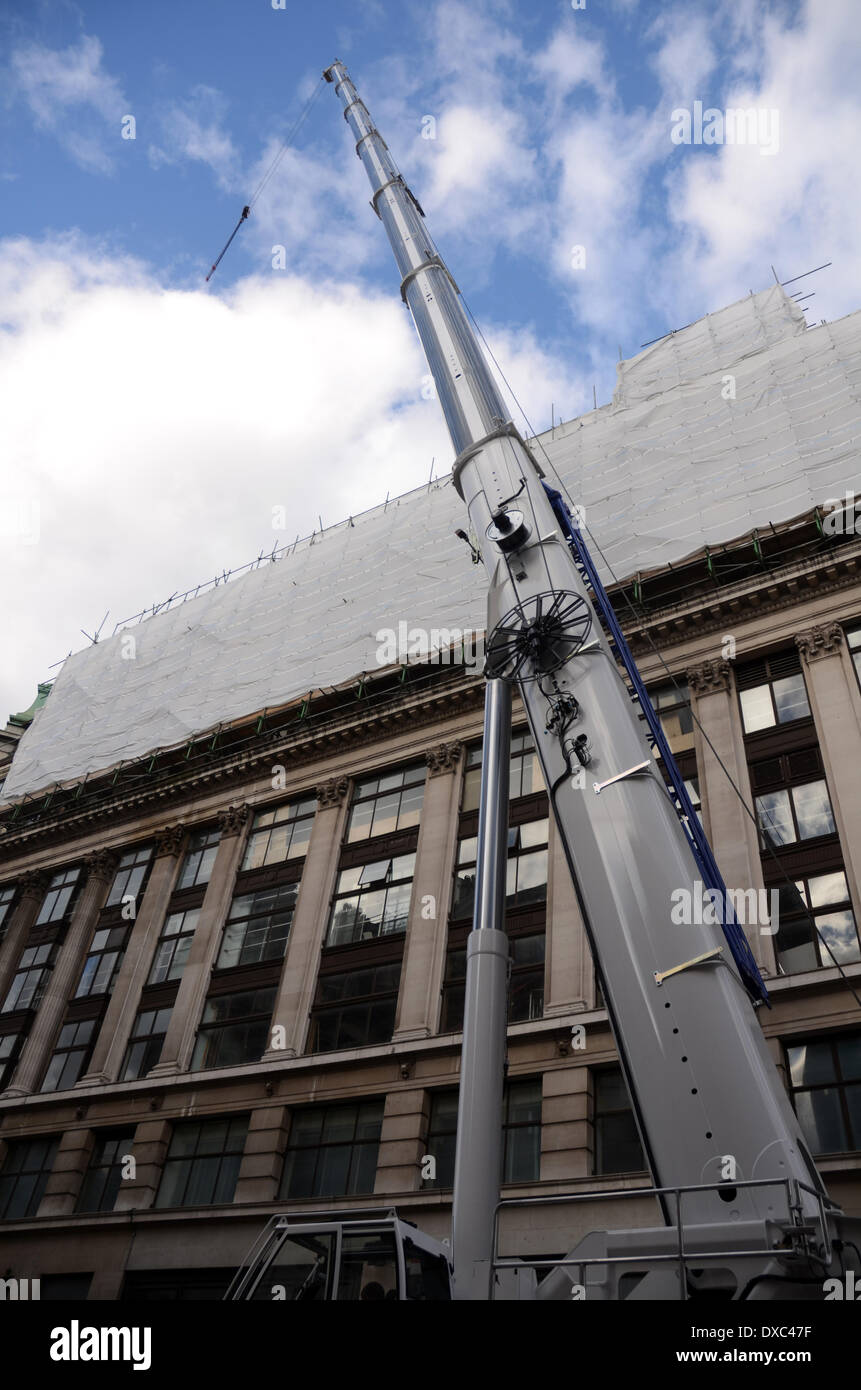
x,y
722,1139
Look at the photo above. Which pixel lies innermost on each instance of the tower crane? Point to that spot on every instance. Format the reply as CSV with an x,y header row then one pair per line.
x,y
743,1212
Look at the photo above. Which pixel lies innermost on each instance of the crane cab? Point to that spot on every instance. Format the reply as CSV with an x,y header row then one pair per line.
x,y
360,1257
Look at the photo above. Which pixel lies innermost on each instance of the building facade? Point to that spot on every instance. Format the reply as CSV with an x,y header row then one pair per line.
x,y
231,973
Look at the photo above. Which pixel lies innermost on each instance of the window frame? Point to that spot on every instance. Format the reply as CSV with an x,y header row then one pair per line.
x,y
375,1103
838,1083
173,1162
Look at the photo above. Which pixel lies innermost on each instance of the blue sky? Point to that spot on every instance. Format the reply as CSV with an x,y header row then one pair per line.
x,y
155,423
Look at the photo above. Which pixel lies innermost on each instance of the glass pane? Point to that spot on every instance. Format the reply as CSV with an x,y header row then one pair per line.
x,y
849,1052
810,1063
386,814
618,1148
838,930
534,833
775,818
790,696
757,711
813,810
826,889
522,1154
821,1119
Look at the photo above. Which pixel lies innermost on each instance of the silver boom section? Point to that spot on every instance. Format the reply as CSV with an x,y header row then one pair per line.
x,y
704,1087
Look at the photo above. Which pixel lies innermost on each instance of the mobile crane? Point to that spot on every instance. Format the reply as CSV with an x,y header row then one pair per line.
x,y
744,1210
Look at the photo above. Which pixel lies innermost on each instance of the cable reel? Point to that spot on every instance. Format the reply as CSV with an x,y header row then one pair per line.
x,y
538,636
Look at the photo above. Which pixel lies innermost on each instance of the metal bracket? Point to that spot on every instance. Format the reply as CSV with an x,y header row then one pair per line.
x,y
433,264
661,975
598,787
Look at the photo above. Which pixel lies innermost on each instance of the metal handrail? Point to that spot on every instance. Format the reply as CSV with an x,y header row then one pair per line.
x,y
792,1187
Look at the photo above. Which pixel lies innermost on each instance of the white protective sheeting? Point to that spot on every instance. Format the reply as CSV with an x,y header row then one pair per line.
x,y
744,417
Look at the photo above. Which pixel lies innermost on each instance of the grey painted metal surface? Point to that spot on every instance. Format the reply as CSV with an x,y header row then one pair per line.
x,y
478,1154
705,1089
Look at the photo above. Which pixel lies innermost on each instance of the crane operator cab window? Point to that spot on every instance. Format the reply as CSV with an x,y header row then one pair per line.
x,y
302,1269
369,1270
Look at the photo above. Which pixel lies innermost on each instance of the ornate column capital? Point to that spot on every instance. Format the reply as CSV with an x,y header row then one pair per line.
x,y
101,864
823,639
333,793
34,883
443,757
231,821
169,840
711,678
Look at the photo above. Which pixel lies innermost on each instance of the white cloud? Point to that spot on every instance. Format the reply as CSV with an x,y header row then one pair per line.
x,y
739,211
71,95
193,129
156,430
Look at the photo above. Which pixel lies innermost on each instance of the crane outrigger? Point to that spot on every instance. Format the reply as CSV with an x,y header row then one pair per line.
x,y
744,1210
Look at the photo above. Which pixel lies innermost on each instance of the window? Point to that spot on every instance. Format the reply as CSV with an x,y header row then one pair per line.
x,y
798,813
199,859
369,1268
25,1176
70,1054
279,835
10,1047
617,1142
234,1029
853,638
174,944
521,1124
825,1077
526,873
771,692
356,1008
102,965
672,706
28,982
825,897
332,1150
104,1175
524,772
525,987
257,926
202,1162
131,873
145,1043
372,900
7,897
58,898
384,804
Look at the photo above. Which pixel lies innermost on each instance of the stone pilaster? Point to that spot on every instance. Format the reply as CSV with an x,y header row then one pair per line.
x,y
569,972
310,919
402,1141
565,1127
424,950
178,1043
263,1157
149,1147
32,888
100,869
120,1014
832,690
730,830
67,1175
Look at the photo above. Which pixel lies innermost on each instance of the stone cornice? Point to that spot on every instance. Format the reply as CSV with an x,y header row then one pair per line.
x,y
823,639
301,747
771,592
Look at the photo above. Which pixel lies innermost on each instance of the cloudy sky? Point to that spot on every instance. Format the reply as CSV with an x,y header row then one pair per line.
x,y
153,427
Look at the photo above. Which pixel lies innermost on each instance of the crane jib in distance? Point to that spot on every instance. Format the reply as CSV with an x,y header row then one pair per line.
x,y
744,1210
